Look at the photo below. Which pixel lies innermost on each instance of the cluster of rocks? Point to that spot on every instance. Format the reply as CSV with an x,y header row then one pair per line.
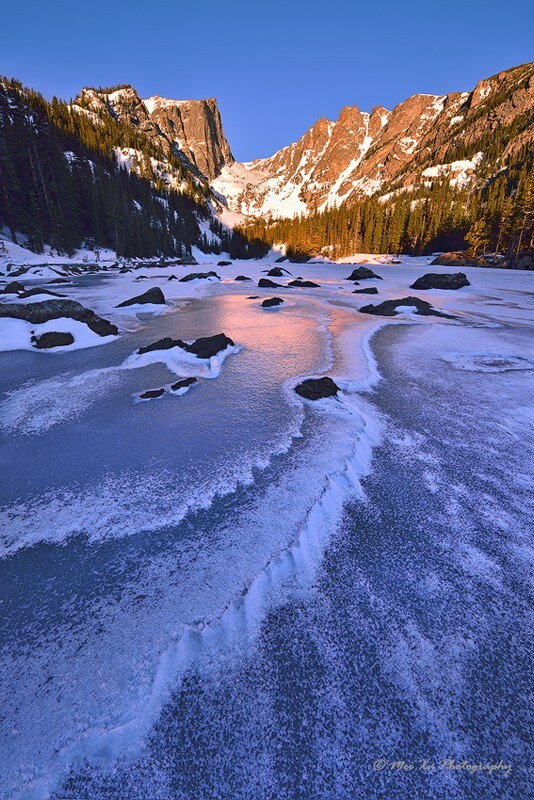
x,y
266,283
152,394
205,347
522,260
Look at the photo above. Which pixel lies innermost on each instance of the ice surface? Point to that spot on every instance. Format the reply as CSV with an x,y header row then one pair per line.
x,y
146,541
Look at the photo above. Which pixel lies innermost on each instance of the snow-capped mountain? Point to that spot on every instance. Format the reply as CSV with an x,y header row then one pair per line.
x,y
422,138
361,153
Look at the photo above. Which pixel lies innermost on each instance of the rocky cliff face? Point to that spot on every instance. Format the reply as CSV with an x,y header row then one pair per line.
x,y
421,139
191,129
195,127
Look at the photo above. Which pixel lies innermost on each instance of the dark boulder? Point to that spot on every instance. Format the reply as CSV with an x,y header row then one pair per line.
x,y
434,281
154,296
53,339
199,275
209,346
265,283
389,308
280,260
46,310
304,284
172,278
224,263
242,278
363,274
142,278
13,288
277,272
189,260
35,291
253,297
272,301
316,388
182,384
370,290
150,394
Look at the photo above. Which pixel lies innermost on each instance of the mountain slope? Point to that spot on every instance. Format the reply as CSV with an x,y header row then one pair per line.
x,y
466,136
190,129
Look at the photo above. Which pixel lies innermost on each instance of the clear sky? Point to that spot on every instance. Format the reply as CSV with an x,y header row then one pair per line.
x,y
275,66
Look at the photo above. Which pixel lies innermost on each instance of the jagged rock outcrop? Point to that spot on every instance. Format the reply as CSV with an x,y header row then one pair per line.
x,y
194,127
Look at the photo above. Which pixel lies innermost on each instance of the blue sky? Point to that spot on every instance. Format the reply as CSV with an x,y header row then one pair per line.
x,y
275,66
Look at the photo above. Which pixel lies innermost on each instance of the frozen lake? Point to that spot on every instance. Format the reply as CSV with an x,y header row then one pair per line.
x,y
234,593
